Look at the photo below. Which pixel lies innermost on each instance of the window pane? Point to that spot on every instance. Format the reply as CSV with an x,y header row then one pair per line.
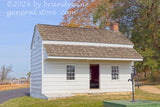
x,y
115,72
70,72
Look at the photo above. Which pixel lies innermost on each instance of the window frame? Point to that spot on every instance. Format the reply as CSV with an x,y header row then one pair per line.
x,y
33,45
38,41
70,77
115,72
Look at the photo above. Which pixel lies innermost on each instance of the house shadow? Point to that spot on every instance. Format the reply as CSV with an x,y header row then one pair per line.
x,y
27,94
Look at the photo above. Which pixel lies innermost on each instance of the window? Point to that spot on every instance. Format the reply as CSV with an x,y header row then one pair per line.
x,y
115,73
70,72
38,41
33,45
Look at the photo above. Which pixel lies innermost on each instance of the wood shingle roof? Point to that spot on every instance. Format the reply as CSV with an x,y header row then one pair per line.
x,y
85,35
91,51
59,33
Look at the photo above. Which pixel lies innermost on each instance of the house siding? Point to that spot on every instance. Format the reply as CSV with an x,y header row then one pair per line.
x,y
36,66
119,85
52,51
54,77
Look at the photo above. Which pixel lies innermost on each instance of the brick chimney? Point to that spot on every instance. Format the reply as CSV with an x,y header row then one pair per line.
x,y
115,27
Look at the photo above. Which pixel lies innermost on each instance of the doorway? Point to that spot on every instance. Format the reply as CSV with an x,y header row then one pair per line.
x,y
94,76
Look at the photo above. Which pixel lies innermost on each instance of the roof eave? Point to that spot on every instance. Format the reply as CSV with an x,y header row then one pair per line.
x,y
94,58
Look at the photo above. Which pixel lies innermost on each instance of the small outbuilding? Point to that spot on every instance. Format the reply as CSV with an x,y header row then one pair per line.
x,y
66,60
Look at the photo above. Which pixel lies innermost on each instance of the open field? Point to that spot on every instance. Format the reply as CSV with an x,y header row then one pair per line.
x,y
158,86
13,86
92,100
155,89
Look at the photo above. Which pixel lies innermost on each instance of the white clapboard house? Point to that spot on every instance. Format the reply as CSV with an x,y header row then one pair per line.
x,y
67,60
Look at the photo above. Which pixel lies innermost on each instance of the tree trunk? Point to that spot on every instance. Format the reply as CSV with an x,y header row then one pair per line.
x,y
145,74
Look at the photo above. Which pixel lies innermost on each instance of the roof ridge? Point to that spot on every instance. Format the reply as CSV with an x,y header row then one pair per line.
x,y
79,34
76,27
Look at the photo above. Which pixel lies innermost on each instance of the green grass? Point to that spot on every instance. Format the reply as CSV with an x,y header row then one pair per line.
x,y
78,101
128,103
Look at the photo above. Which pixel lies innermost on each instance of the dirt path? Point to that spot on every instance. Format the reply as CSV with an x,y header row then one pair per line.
x,y
150,89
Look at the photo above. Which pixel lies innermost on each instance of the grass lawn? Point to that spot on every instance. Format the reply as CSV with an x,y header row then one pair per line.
x,y
78,101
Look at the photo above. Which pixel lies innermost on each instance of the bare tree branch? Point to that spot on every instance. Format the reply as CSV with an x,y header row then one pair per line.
x,y
5,70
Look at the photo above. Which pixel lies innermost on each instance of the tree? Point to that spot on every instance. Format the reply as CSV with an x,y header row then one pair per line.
x,y
81,15
5,70
102,14
139,20
28,75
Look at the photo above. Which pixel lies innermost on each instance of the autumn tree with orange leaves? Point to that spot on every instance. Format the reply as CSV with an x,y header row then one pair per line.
x,y
81,14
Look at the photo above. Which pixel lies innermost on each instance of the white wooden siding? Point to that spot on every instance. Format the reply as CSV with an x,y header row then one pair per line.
x,y
36,66
119,85
54,77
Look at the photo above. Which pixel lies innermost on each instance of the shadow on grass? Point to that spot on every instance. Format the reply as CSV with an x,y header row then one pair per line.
x,y
27,94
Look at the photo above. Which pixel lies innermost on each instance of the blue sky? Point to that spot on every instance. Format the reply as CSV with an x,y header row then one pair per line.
x,y
17,21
